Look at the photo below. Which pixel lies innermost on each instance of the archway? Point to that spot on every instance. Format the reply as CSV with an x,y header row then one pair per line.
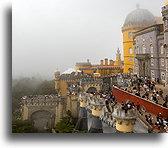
x,y
130,70
43,120
92,90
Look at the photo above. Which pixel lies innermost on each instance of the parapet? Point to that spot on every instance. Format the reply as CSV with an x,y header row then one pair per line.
x,y
120,114
41,99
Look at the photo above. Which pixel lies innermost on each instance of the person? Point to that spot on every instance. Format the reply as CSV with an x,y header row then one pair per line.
x,y
138,106
146,116
165,104
166,98
159,117
155,99
160,93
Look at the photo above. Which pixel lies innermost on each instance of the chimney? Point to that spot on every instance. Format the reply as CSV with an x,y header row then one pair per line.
x,y
111,63
106,62
101,62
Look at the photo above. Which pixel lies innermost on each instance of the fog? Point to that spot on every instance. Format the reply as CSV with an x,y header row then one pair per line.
x,y
55,34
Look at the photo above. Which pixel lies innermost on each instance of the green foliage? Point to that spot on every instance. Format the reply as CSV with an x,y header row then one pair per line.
x,y
66,125
81,132
29,86
24,87
46,88
19,126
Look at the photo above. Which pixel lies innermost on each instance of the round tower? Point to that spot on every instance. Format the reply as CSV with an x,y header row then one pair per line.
x,y
118,58
135,21
125,121
57,80
82,123
96,106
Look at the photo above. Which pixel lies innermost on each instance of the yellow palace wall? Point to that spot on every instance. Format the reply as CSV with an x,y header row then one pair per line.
x,y
128,42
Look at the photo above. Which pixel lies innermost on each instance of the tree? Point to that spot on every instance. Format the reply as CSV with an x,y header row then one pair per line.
x,y
19,126
46,88
66,125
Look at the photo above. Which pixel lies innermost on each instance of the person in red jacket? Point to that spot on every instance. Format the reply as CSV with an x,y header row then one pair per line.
x,y
138,106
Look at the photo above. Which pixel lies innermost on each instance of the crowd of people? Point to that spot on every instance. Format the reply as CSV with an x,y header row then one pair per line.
x,y
146,89
159,123
129,106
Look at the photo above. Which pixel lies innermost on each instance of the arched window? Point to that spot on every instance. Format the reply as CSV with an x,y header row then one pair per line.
x,y
162,62
129,34
143,49
152,62
161,49
131,60
137,49
163,77
152,74
151,50
130,51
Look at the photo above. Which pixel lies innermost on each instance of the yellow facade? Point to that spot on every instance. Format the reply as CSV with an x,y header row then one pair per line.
x,y
166,3
25,112
135,21
83,103
96,110
128,46
61,86
106,67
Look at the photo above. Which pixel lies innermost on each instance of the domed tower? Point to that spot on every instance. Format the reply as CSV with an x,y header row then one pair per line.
x,y
165,19
125,121
135,21
57,80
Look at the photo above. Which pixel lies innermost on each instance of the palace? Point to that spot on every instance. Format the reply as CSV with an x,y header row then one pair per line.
x,y
145,42
135,21
106,67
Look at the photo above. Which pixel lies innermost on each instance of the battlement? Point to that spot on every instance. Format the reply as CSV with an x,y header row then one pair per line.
x,y
96,100
42,99
86,81
121,114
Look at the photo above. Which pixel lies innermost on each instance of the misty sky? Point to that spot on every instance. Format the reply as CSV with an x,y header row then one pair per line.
x,y
55,34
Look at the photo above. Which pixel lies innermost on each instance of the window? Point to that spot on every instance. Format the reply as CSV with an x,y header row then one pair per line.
x,y
163,77
129,34
166,24
143,49
162,62
151,49
130,51
161,49
152,62
137,49
131,60
151,41
152,74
